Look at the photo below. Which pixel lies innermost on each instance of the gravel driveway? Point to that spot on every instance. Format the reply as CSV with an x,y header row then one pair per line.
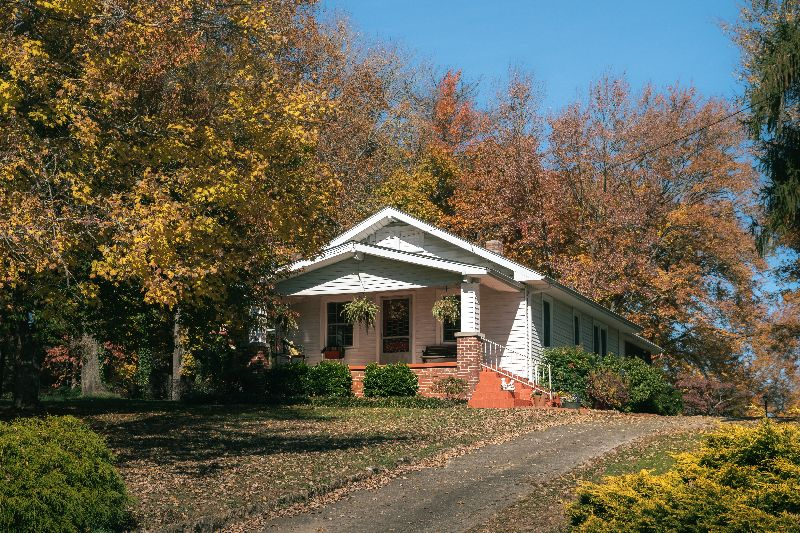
x,y
471,488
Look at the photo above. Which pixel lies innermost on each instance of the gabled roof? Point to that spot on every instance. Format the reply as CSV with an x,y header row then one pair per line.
x,y
352,249
388,215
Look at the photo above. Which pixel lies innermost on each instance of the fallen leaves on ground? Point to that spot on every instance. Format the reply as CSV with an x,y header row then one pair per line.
x,y
214,465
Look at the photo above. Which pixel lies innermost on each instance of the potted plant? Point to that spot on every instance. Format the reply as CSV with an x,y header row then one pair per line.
x,y
447,310
538,398
361,311
569,400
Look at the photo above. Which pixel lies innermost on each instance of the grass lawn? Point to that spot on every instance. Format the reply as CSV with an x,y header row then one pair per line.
x,y
545,508
186,463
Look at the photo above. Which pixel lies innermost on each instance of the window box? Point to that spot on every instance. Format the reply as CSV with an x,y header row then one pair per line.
x,y
333,352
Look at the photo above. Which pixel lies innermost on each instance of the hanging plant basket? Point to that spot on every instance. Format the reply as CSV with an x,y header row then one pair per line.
x,y
361,311
447,309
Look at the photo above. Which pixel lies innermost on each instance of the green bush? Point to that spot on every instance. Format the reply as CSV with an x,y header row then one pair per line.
x,y
288,381
395,402
607,389
649,389
742,479
570,367
58,475
330,378
396,379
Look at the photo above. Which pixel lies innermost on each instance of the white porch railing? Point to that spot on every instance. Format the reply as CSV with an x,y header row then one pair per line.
x,y
502,358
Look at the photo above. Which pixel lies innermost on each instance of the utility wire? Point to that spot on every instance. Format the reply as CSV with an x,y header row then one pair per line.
x,y
679,139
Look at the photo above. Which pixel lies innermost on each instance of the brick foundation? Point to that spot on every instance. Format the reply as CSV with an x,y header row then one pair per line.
x,y
427,374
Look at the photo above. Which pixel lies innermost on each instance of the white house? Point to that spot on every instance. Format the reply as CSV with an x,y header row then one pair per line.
x,y
405,265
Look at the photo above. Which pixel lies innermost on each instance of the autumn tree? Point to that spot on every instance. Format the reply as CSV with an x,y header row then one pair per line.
x,y
768,34
168,145
505,192
660,236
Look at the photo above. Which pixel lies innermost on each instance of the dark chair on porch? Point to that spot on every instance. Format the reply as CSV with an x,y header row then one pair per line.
x,y
439,353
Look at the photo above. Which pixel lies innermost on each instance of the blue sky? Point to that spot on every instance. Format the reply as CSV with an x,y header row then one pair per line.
x,y
564,44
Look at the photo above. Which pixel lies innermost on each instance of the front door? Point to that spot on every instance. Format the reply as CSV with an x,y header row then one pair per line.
x,y
396,331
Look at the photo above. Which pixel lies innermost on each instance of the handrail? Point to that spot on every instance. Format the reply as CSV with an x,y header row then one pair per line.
x,y
536,370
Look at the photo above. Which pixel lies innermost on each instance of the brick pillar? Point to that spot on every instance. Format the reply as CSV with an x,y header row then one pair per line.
x,y
469,355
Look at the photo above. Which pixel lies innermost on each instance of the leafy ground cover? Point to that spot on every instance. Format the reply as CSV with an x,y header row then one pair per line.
x,y
188,465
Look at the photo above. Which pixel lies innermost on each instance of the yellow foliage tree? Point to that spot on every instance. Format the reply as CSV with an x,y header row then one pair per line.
x,y
165,144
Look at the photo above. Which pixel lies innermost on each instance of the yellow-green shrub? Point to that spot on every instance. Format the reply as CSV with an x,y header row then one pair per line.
x,y
58,475
741,479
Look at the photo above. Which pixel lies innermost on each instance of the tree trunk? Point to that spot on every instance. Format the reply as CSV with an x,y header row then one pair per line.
x,y
177,357
91,383
27,367
3,356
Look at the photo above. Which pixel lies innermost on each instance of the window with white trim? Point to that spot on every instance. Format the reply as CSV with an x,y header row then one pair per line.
x,y
547,322
339,330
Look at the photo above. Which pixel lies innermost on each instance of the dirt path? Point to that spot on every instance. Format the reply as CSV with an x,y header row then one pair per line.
x,y
470,489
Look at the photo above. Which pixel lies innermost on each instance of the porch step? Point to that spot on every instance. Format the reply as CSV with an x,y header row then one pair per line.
x,y
489,393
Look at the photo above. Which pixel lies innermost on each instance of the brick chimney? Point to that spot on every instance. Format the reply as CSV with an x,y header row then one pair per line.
x,y
494,246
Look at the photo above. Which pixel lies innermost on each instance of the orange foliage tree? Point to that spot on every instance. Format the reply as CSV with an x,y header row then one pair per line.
x,y
660,235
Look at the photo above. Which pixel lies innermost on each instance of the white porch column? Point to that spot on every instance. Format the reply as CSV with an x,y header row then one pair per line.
x,y
470,306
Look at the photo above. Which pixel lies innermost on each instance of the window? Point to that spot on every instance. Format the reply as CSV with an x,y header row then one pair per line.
x,y
340,331
576,326
546,323
603,341
449,329
600,340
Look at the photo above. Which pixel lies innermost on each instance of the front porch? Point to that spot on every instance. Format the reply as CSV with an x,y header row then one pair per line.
x,y
404,331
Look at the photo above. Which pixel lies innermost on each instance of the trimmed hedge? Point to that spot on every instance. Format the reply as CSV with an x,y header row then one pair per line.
x,y
395,379
288,381
742,479
58,475
330,379
298,380
648,388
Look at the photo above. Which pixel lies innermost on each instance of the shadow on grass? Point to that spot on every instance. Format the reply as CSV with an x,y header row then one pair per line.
x,y
166,438
192,438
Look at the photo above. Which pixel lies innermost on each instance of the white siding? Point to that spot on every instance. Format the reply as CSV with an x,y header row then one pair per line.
x,y
562,334
372,274
562,324
471,307
504,320
613,341
308,332
536,325
423,327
